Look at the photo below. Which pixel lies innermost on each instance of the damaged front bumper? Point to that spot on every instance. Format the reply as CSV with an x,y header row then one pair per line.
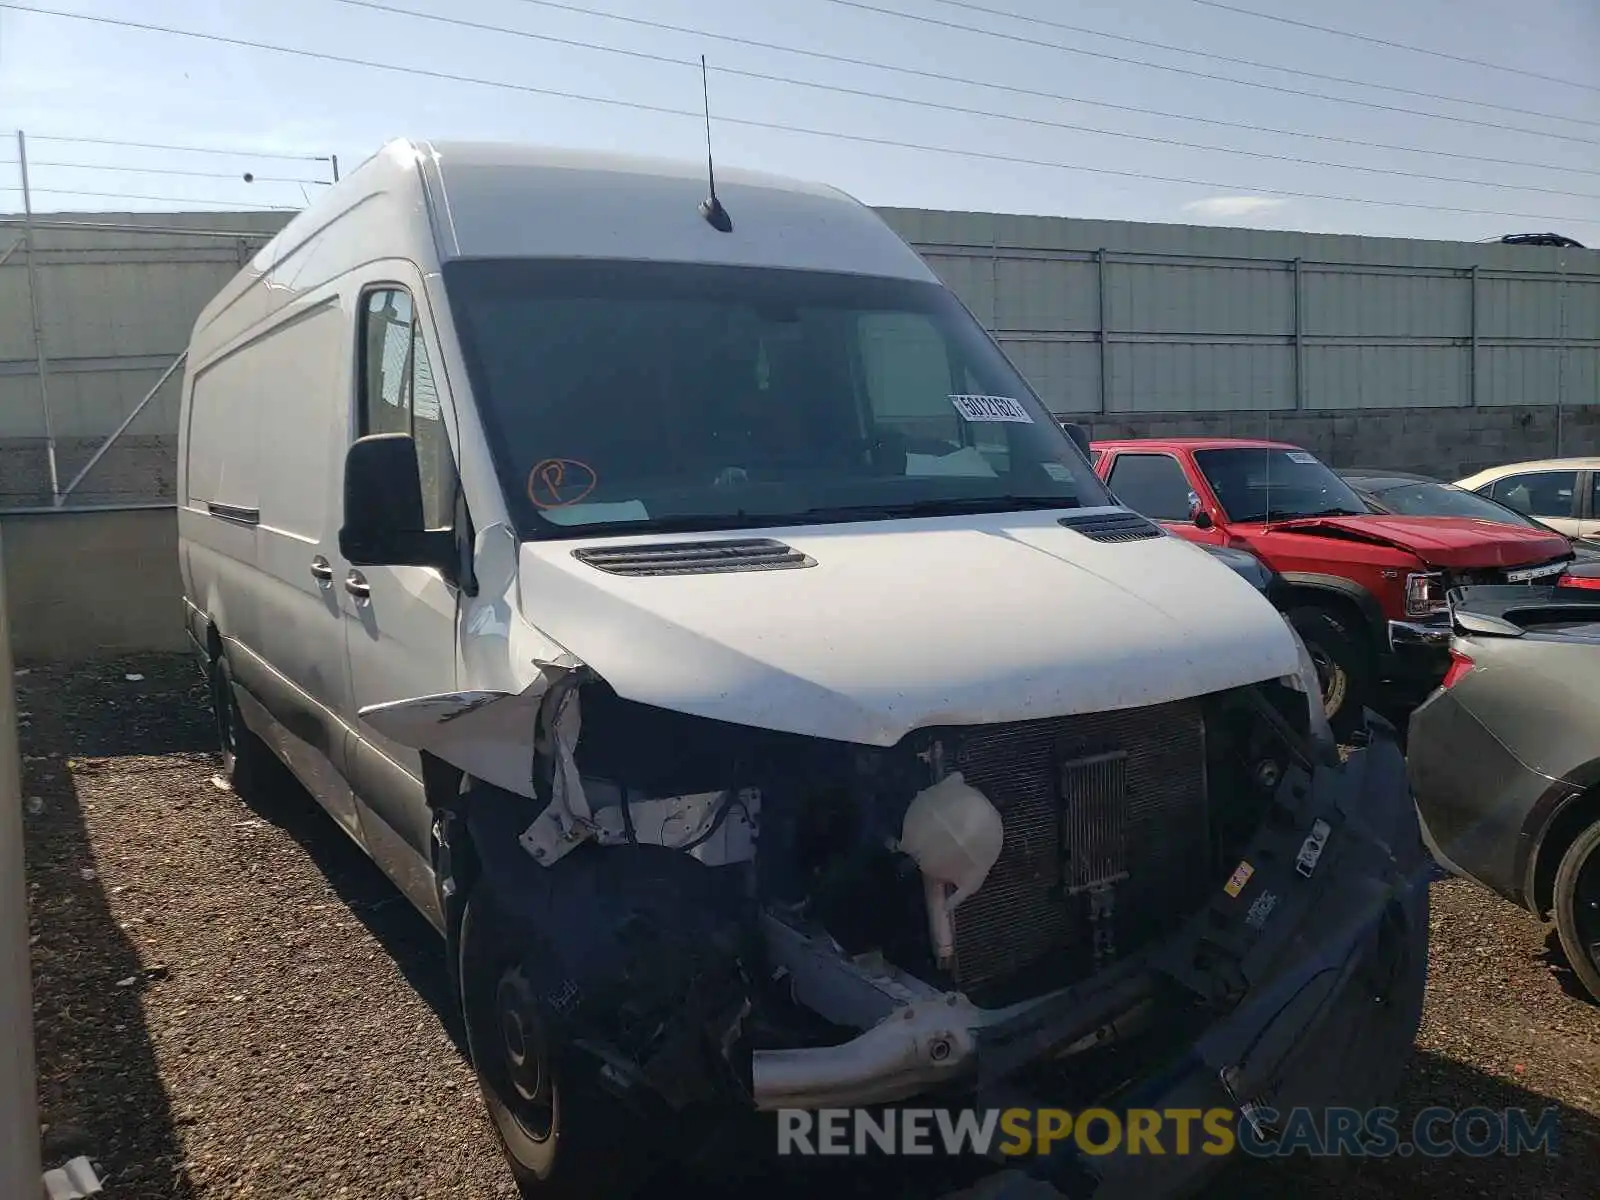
x,y
1316,967
1297,983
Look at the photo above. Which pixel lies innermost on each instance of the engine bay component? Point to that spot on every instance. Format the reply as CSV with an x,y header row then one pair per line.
x,y
954,835
916,1047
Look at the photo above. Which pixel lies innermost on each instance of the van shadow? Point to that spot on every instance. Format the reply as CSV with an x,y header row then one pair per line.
x,y
402,932
95,1058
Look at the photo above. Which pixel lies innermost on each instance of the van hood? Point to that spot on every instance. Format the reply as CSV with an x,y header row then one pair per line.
x,y
1459,542
900,624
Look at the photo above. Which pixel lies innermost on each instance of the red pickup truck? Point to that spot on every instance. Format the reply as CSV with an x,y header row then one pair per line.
x,y
1366,590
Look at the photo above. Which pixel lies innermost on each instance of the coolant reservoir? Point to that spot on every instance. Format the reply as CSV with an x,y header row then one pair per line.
x,y
954,835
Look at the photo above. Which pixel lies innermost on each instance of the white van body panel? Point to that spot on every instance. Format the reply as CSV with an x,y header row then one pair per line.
x,y
531,203
904,624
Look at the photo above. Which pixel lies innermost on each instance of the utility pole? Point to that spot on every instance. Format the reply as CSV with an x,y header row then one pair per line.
x,y
19,1105
334,159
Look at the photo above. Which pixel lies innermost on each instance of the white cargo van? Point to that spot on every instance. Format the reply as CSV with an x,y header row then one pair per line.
x,y
685,602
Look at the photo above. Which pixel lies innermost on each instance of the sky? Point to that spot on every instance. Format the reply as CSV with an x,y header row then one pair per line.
x,y
899,102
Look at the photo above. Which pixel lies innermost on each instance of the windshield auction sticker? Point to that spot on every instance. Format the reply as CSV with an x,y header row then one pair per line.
x,y
992,408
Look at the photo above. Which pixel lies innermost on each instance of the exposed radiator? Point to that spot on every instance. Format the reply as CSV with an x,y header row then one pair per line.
x,y
1101,807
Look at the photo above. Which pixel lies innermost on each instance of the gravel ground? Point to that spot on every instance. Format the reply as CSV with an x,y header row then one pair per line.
x,y
235,1003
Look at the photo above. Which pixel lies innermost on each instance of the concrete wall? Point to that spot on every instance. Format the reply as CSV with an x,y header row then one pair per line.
x,y
83,585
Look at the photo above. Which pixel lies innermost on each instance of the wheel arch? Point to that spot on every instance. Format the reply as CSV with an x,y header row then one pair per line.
x,y
1571,816
1307,589
457,866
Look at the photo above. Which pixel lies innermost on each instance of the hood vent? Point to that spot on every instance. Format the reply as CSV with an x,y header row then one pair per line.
x,y
695,558
1114,527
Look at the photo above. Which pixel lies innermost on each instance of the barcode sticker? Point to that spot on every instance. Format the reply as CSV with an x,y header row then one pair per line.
x,y
992,408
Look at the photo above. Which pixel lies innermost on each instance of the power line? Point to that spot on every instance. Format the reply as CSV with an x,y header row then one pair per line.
x,y
1249,83
79,166
1062,97
1377,41
1251,62
98,141
33,191
697,115
954,108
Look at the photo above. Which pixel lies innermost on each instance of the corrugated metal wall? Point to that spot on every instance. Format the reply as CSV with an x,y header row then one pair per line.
x,y
1109,320
1117,318
116,308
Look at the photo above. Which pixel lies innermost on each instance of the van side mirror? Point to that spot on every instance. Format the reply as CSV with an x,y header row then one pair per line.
x,y
1078,434
383,521
1198,514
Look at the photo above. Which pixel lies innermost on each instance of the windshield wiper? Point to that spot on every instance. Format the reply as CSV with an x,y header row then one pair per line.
x,y
944,506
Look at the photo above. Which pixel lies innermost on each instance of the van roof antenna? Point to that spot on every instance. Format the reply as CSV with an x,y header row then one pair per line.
x,y
711,208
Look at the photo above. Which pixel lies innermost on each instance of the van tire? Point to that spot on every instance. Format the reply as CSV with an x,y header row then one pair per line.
x,y
1577,908
561,1137
245,757
1344,664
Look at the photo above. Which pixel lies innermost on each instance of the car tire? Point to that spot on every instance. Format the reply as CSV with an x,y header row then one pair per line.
x,y
245,757
1344,664
561,1137
1577,908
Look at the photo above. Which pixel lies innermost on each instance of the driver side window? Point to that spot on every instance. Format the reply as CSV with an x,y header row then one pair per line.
x,y
398,396
1153,485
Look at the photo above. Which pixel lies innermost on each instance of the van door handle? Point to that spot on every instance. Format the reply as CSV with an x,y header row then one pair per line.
x,y
322,569
356,584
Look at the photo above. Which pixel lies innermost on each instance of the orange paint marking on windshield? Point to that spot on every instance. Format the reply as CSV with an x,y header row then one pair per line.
x,y
558,482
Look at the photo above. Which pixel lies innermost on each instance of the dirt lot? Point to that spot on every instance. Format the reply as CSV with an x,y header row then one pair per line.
x,y
235,1003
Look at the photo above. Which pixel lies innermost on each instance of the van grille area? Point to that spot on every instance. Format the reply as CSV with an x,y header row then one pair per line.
x,y
1106,839
695,558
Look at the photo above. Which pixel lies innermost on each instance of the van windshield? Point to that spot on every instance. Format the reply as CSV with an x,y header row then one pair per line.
x,y
625,396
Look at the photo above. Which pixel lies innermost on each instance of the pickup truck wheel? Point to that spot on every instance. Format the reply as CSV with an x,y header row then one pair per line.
x,y
560,1137
1577,905
245,758
1344,665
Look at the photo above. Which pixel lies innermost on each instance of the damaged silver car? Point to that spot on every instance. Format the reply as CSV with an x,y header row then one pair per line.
x,y
753,683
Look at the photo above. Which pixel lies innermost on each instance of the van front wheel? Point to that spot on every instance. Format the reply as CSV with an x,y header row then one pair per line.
x,y
560,1137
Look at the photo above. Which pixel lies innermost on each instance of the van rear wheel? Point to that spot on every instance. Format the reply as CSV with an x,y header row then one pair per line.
x,y
244,755
561,1137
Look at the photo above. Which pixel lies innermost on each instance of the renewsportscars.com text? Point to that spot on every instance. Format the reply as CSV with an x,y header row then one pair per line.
x,y
1020,1132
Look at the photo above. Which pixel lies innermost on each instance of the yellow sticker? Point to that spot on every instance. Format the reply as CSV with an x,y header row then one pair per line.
x,y
1241,876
